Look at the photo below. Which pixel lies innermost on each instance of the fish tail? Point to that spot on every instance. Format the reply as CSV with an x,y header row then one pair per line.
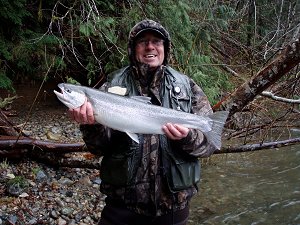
x,y
214,136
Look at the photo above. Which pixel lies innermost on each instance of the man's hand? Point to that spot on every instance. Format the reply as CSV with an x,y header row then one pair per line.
x,y
175,131
84,114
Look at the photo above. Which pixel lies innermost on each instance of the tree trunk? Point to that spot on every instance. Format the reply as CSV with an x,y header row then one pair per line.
x,y
285,62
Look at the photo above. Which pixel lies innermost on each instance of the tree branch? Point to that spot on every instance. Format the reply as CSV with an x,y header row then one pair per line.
x,y
255,147
281,99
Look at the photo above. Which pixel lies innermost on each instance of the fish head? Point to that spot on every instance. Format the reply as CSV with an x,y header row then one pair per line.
x,y
70,96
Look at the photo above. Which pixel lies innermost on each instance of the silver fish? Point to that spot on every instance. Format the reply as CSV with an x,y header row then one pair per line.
x,y
134,115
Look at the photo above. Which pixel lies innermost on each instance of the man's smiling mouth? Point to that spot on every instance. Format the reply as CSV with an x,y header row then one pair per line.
x,y
150,56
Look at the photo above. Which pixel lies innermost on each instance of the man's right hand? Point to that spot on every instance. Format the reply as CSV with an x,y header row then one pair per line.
x,y
84,114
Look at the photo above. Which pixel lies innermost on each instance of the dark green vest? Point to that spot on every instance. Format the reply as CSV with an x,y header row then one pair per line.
x,y
181,170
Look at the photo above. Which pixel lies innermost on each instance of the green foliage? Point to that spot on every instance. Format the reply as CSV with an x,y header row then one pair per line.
x,y
4,49
13,12
19,181
24,50
5,82
70,80
92,40
85,40
209,77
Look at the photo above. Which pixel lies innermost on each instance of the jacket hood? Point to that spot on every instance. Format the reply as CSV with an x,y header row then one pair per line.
x,y
148,25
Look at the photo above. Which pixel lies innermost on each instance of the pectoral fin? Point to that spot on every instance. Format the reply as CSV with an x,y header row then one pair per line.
x,y
133,137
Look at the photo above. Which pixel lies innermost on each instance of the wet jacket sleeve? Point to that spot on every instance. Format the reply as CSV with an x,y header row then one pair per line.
x,y
195,143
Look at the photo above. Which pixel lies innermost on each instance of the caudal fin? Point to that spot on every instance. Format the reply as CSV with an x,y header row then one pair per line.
x,y
215,135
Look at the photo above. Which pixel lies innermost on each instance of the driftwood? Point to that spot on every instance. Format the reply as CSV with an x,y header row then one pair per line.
x,y
13,143
18,147
51,153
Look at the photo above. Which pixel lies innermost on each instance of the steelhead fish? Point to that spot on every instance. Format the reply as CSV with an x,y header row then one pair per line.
x,y
134,115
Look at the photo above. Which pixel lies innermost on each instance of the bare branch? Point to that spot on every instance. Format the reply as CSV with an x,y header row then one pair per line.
x,y
281,99
255,147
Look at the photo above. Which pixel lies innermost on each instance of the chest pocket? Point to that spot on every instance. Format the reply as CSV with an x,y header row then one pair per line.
x,y
180,97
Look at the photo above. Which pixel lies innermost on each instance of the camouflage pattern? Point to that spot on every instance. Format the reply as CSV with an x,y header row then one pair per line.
x,y
150,195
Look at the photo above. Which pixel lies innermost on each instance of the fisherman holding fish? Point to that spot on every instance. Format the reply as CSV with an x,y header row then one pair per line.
x,y
149,179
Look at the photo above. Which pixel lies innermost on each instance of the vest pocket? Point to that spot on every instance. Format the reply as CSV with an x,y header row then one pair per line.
x,y
120,169
114,169
184,174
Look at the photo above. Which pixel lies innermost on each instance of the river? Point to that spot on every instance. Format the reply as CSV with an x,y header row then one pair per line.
x,y
261,187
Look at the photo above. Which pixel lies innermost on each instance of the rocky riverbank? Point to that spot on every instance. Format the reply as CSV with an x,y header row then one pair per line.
x,y
34,193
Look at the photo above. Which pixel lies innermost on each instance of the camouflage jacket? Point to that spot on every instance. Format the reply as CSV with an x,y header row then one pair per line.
x,y
149,193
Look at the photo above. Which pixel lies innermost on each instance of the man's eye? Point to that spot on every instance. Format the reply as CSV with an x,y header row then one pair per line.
x,y
143,41
156,41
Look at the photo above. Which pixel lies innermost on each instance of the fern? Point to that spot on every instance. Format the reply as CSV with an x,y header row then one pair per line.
x,y
5,82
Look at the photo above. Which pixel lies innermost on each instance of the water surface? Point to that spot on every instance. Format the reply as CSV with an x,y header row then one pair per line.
x,y
261,187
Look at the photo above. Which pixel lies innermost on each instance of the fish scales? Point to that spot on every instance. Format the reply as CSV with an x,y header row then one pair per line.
x,y
143,118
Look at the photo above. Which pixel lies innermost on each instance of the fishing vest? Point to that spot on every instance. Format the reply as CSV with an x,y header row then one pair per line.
x,y
120,165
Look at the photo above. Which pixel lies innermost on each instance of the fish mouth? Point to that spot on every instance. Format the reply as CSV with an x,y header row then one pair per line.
x,y
60,94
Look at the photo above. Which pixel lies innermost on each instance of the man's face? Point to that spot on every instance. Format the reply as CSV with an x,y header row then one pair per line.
x,y
149,49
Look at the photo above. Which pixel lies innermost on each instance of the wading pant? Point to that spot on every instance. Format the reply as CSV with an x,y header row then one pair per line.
x,y
119,215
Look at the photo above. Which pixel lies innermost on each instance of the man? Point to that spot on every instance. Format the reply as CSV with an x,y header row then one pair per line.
x,y
151,182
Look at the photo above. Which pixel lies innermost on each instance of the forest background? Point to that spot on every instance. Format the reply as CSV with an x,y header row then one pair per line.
x,y
220,44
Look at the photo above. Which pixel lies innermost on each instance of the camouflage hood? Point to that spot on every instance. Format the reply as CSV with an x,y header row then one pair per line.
x,y
146,25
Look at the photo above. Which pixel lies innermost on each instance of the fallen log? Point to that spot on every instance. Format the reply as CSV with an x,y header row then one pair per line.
x,y
261,146
71,155
12,142
18,147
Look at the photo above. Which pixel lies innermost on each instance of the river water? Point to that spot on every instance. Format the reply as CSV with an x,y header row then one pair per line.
x,y
261,187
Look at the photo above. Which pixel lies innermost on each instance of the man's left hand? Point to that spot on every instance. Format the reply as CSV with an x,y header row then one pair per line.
x,y
175,131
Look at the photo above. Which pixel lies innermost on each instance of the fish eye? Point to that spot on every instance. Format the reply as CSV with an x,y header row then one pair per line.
x,y
68,90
